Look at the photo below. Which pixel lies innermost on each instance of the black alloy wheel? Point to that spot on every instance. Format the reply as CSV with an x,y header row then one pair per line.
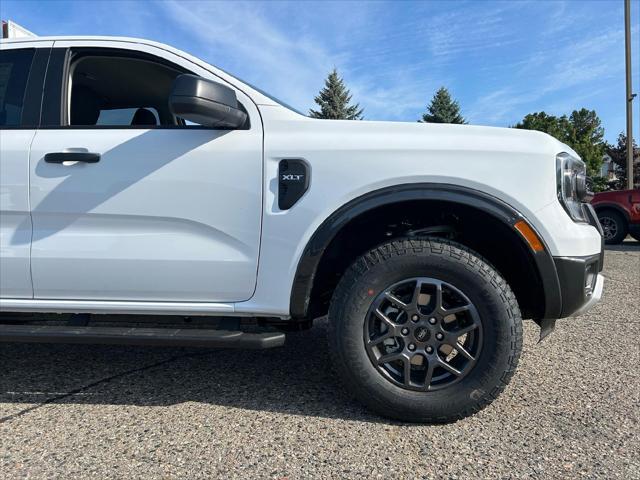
x,y
423,334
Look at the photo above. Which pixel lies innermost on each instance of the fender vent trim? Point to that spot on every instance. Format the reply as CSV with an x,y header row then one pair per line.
x,y
293,182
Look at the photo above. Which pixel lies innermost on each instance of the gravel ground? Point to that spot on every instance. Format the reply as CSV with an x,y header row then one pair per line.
x,y
572,409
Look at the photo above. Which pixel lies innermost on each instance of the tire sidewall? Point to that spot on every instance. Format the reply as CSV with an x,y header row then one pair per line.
x,y
473,278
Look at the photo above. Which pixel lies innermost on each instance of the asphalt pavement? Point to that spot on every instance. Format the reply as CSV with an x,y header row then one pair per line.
x,y
571,411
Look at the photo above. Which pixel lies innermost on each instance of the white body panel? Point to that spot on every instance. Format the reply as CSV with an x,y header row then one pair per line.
x,y
15,222
15,219
516,166
167,215
158,218
131,219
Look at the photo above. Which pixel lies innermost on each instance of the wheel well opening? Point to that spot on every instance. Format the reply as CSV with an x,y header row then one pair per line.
x,y
497,242
610,208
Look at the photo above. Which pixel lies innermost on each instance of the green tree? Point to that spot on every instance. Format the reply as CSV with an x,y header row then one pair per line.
x,y
586,137
618,154
582,131
599,184
334,101
443,109
557,127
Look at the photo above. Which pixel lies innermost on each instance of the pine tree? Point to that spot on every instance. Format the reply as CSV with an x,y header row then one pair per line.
x,y
443,109
586,137
334,101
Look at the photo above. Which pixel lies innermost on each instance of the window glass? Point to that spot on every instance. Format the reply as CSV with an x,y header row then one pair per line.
x,y
14,72
128,116
109,88
116,90
266,94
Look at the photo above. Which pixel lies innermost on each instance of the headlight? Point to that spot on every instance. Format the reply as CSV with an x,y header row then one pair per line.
x,y
573,190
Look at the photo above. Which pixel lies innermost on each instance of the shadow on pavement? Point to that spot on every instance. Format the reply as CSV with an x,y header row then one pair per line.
x,y
296,379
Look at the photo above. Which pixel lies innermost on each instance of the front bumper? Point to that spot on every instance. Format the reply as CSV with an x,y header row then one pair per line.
x,y
572,284
580,283
593,298
580,280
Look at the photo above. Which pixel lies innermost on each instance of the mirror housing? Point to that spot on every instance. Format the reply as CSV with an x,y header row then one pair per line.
x,y
205,102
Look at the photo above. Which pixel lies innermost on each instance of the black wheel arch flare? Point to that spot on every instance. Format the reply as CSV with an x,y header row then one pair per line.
x,y
312,254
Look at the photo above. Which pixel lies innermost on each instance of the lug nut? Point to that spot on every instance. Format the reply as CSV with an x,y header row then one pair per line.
x,y
429,349
405,331
432,320
439,336
412,347
415,317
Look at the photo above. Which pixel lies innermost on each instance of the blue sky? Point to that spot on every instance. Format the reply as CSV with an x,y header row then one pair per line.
x,y
500,59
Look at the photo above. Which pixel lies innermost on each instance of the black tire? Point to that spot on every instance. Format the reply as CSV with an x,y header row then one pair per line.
x,y
495,305
613,225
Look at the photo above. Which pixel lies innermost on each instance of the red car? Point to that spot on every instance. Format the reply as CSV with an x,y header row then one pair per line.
x,y
619,214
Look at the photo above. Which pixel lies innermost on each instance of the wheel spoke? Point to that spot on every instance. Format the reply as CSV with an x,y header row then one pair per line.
x,y
464,352
407,371
416,294
395,300
449,368
385,319
390,357
455,310
429,375
385,336
438,296
464,330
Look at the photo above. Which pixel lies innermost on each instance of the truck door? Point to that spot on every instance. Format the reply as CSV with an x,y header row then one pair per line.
x,y
134,204
22,68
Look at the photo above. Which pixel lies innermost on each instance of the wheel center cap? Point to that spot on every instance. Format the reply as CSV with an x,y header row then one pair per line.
x,y
421,334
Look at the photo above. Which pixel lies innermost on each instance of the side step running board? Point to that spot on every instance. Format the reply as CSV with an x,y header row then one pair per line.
x,y
183,337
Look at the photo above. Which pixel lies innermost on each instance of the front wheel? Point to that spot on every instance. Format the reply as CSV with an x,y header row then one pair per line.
x,y
424,331
613,225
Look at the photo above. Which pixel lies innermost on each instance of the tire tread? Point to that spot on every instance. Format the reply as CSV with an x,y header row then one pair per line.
x,y
472,261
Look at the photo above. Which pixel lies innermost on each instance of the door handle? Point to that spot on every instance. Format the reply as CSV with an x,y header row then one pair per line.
x,y
61,157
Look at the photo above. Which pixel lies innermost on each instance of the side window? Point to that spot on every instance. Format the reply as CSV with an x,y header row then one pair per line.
x,y
14,72
127,116
113,90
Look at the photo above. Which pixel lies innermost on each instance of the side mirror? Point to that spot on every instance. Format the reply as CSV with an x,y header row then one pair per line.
x,y
205,102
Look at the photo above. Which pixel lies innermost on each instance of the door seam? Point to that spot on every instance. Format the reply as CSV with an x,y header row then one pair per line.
x,y
33,139
33,287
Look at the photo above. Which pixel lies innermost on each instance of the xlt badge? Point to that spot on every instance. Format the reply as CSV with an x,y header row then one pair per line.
x,y
292,177
293,182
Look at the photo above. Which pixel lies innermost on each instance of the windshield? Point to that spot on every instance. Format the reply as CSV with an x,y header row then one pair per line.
x,y
280,102
259,90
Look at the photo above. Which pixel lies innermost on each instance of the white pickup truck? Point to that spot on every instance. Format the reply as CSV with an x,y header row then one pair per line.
x,y
137,179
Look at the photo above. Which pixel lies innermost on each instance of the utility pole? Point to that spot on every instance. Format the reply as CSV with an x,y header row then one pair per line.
x,y
630,95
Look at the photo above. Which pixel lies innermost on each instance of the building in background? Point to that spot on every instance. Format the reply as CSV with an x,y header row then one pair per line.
x,y
608,169
13,30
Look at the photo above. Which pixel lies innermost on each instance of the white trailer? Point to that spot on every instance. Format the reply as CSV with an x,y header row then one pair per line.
x,y
13,30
